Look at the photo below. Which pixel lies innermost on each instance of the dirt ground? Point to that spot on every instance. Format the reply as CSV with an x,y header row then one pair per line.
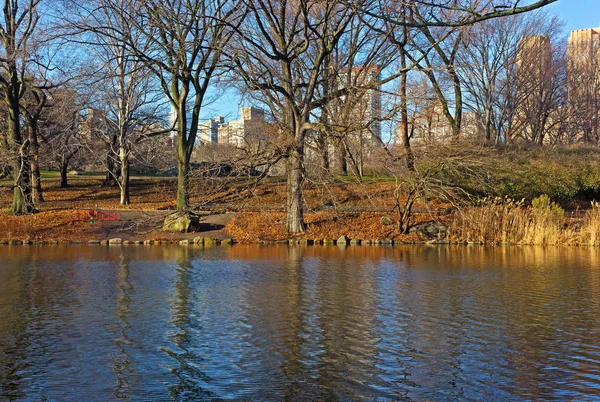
x,y
147,225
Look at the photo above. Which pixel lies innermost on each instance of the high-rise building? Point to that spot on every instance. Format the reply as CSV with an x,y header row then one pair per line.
x,y
582,44
208,131
239,132
583,83
534,60
430,124
534,82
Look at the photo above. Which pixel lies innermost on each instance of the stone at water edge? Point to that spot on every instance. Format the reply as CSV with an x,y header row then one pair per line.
x,y
115,241
184,242
198,240
328,240
179,222
209,241
355,242
227,241
343,240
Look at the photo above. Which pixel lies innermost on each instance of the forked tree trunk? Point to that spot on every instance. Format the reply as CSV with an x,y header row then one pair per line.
x,y
22,201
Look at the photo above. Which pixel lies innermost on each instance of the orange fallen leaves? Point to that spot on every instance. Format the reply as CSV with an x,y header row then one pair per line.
x,y
54,220
47,225
249,227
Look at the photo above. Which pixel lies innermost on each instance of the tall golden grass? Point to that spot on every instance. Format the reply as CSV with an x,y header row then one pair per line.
x,y
505,221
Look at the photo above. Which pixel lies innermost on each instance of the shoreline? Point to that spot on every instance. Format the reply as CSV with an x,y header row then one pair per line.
x,y
227,242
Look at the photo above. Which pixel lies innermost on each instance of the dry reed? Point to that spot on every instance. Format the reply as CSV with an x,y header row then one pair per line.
x,y
505,221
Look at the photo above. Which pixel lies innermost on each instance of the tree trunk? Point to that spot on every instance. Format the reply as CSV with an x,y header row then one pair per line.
x,y
35,165
64,168
295,212
22,201
183,179
410,159
325,154
112,168
124,177
340,159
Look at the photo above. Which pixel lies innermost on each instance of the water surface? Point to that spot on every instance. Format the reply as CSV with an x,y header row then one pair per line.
x,y
299,323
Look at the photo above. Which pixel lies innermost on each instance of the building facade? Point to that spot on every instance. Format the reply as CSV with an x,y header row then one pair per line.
x,y
240,133
583,84
208,131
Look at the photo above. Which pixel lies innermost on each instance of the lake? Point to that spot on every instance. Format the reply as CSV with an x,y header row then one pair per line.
x,y
441,323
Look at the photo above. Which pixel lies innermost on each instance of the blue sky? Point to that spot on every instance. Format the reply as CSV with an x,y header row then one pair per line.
x,y
577,14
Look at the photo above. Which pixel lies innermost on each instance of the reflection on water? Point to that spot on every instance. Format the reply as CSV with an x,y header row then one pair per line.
x,y
318,323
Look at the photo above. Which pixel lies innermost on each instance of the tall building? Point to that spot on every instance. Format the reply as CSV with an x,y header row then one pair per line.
x,y
430,124
535,88
534,60
240,132
208,131
583,83
582,44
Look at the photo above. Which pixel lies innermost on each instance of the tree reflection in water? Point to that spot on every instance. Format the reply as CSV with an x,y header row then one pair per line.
x,y
322,323
122,364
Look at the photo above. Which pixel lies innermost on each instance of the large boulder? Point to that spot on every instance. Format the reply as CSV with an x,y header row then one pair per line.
x,y
430,230
180,222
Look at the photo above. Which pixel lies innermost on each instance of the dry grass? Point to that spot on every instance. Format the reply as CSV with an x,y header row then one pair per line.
x,y
504,221
590,231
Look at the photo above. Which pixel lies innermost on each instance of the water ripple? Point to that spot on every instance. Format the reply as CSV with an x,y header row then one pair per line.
x,y
293,323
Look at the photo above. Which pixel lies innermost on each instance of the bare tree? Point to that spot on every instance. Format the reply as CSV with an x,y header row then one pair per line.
x,y
282,53
59,130
187,40
129,100
538,83
440,67
17,32
32,106
511,71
